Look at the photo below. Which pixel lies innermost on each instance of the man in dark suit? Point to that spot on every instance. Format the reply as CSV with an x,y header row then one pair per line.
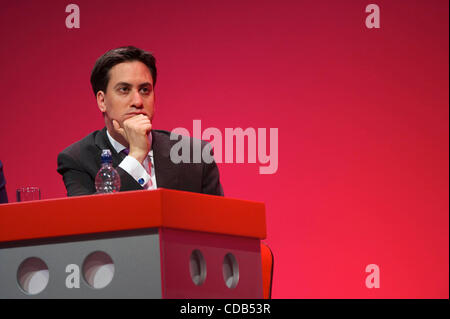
x,y
123,81
3,194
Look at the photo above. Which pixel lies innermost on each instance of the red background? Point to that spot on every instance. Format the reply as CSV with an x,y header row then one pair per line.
x,y
363,119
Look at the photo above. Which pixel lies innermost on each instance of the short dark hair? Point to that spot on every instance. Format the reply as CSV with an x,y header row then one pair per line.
x,y
100,72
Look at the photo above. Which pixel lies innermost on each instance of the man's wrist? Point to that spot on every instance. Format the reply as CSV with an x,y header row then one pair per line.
x,y
139,156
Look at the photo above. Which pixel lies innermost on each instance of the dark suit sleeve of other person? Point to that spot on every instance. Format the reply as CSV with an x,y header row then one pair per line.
x,y
3,194
79,164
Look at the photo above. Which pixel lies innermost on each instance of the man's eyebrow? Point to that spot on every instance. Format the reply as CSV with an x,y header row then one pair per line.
x,y
122,84
128,84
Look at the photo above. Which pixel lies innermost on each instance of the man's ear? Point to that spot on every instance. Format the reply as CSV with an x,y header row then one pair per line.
x,y
101,101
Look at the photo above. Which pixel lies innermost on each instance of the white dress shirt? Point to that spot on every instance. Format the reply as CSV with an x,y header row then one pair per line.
x,y
133,167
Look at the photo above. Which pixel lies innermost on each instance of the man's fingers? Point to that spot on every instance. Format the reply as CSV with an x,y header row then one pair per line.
x,y
143,119
138,123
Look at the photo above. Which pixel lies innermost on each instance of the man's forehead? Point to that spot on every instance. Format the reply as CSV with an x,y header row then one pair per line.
x,y
133,72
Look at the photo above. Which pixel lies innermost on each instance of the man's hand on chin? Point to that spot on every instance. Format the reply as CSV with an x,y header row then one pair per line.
x,y
135,131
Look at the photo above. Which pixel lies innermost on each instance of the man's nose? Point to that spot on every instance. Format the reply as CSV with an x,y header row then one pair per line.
x,y
137,101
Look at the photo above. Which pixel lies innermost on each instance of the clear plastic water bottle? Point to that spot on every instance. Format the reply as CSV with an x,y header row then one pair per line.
x,y
107,179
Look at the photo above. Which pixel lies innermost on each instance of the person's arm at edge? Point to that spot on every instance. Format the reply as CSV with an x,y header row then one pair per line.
x,y
3,194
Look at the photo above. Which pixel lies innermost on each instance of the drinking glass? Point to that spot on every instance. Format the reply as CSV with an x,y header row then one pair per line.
x,y
26,194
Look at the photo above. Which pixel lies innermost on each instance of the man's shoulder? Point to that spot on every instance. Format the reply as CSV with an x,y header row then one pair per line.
x,y
161,134
86,144
172,137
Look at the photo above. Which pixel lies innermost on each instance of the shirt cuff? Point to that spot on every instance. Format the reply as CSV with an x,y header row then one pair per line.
x,y
135,169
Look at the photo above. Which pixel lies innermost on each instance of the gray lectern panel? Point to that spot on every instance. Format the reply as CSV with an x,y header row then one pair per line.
x,y
125,266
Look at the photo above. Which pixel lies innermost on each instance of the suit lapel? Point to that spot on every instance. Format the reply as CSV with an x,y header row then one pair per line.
x,y
165,170
102,142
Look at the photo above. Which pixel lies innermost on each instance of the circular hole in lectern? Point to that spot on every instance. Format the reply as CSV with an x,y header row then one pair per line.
x,y
98,269
197,267
230,269
33,275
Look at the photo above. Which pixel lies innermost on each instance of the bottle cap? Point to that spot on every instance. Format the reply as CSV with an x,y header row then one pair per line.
x,y
106,156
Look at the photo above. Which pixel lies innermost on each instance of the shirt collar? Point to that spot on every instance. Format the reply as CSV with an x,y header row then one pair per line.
x,y
119,147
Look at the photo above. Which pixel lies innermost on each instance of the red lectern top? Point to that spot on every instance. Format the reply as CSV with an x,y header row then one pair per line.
x,y
131,210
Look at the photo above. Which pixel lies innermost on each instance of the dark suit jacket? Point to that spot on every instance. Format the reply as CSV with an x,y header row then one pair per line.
x,y
3,195
80,162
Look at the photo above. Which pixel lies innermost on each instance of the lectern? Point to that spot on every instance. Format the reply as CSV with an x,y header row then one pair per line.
x,y
140,244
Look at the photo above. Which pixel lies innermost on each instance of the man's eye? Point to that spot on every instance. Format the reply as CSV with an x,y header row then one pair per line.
x,y
123,89
145,90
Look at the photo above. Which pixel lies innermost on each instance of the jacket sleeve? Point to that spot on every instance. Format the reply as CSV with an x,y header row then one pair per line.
x,y
76,179
79,182
3,194
211,177
127,182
